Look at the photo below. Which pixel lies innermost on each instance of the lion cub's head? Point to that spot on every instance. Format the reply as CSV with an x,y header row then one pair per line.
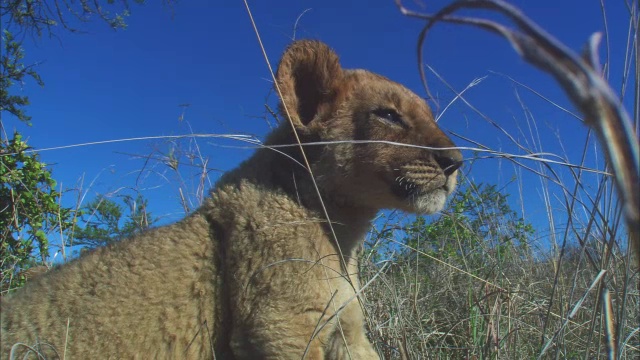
x,y
328,103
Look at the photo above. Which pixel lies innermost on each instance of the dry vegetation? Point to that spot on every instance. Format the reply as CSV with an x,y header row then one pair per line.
x,y
491,295
498,300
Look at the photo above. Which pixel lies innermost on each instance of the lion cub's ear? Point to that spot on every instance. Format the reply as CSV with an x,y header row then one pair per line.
x,y
308,75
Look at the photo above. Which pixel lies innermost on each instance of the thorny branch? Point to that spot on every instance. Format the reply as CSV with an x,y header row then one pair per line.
x,y
581,79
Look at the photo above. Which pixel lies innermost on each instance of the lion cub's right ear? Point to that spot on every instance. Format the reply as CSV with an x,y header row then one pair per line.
x,y
308,76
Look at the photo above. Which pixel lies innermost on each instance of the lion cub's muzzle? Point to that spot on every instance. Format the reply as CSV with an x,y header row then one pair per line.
x,y
421,176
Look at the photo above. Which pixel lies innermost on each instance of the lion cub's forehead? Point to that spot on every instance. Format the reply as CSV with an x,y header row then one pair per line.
x,y
385,91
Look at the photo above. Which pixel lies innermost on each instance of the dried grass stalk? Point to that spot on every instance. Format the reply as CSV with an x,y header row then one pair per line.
x,y
581,79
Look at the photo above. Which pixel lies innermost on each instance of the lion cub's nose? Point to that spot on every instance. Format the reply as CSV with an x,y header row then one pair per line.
x,y
448,164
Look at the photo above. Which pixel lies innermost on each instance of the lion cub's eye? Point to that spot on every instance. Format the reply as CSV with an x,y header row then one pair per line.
x,y
389,115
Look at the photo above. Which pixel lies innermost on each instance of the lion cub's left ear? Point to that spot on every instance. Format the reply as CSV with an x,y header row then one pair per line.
x,y
308,76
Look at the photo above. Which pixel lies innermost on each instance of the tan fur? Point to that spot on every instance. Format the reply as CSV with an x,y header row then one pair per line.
x,y
255,272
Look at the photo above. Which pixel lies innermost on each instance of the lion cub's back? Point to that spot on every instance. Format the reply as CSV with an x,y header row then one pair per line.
x,y
149,296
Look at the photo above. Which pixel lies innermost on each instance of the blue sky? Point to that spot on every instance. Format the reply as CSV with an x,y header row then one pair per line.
x,y
109,85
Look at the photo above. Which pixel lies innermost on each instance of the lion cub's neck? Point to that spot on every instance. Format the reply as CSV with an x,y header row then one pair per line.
x,y
281,169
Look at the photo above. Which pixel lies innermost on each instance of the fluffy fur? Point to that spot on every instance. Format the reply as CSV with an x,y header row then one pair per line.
x,y
255,272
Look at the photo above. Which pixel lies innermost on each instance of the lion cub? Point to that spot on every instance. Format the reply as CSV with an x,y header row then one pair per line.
x,y
257,272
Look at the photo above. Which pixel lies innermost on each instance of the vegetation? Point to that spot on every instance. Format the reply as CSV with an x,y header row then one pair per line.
x,y
104,221
29,210
29,202
469,286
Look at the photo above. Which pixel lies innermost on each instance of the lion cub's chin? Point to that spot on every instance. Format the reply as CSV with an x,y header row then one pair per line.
x,y
429,203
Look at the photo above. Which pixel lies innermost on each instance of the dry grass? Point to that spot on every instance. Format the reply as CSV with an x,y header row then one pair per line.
x,y
525,305
577,299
